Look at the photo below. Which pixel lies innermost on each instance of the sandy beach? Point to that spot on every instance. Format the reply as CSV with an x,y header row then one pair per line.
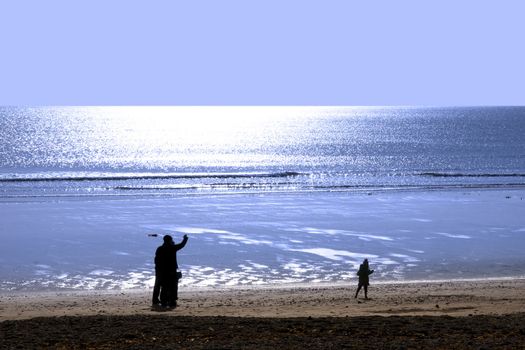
x,y
442,314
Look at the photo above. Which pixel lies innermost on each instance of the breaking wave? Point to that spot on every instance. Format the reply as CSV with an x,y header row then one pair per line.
x,y
141,176
439,174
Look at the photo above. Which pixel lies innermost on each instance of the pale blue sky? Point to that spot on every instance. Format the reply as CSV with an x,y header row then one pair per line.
x,y
271,52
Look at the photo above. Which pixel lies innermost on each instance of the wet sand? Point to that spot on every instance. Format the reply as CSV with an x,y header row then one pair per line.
x,y
460,314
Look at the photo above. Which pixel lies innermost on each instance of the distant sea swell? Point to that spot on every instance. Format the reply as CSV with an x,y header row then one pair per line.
x,y
115,151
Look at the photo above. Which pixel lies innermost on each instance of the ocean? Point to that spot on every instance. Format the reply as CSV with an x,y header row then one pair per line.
x,y
268,195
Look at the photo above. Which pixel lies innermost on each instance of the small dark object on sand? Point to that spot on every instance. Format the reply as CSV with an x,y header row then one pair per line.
x,y
153,234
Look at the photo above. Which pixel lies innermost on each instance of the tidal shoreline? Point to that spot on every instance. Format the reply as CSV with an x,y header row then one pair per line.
x,y
263,240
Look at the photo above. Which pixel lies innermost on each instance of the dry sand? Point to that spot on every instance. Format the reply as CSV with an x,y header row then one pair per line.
x,y
414,315
457,298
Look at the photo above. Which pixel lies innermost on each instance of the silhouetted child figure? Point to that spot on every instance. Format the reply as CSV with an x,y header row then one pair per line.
x,y
363,274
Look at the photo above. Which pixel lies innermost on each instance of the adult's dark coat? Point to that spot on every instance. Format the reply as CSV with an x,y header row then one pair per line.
x,y
166,280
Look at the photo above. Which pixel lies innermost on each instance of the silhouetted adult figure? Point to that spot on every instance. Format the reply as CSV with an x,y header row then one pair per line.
x,y
363,273
166,274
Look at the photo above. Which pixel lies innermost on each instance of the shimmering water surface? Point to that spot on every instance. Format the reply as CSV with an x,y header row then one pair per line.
x,y
163,150
267,194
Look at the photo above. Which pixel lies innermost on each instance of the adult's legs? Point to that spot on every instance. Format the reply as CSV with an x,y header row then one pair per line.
x,y
156,292
366,291
174,292
165,291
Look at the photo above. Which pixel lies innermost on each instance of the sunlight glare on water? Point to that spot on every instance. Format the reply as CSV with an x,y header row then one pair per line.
x,y
370,145
202,136
167,138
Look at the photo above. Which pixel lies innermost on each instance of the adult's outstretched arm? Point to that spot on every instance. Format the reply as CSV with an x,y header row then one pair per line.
x,y
183,243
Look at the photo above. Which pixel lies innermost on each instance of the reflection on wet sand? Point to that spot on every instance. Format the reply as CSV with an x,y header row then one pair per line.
x,y
267,240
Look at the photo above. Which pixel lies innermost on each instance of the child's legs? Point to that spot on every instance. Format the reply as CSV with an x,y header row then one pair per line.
x,y
358,289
